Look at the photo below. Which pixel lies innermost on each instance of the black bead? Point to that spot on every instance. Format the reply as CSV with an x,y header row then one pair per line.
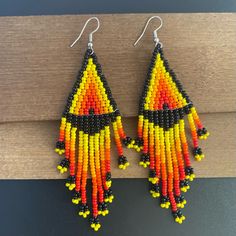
x,y
197,151
108,176
152,173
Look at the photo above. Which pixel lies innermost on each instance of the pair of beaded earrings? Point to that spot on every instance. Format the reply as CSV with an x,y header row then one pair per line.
x,y
85,141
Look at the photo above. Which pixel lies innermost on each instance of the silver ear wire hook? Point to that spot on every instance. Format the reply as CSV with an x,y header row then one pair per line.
x,y
155,38
90,40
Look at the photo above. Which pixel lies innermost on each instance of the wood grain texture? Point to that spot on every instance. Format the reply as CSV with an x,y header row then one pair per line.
x,y
27,150
37,68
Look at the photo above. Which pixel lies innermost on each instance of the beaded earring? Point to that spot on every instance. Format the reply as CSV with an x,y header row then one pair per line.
x,y
85,136
161,132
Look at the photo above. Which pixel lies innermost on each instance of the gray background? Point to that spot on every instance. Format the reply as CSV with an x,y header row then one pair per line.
x,y
43,207
57,7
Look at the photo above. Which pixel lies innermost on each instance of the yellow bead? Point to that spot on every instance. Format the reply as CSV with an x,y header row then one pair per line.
x,y
97,227
154,195
141,163
184,190
71,187
59,167
61,152
154,180
180,221
121,166
75,201
190,178
108,183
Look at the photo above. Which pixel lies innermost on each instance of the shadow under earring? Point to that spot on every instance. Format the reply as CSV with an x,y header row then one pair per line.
x,y
85,137
161,132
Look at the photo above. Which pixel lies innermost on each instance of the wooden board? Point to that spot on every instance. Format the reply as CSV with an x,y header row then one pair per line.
x,y
37,67
27,150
